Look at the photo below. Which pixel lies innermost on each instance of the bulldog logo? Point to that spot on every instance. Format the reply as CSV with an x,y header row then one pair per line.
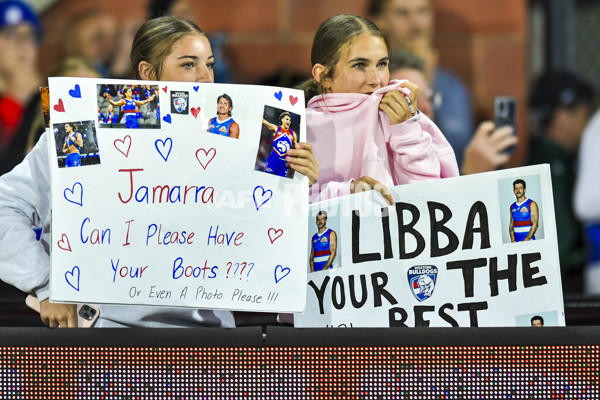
x,y
180,102
422,280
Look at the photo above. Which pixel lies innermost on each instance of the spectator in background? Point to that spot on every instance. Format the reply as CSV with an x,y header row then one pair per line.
x,y
560,107
409,24
218,40
485,151
94,36
31,128
20,35
587,202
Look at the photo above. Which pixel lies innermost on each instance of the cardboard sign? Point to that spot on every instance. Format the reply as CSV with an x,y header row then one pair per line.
x,y
441,256
177,194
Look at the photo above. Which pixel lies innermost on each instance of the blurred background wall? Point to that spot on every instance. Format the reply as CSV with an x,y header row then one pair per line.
x,y
496,47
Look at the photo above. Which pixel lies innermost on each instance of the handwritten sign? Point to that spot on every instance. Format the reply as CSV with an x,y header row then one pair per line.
x,y
177,194
441,256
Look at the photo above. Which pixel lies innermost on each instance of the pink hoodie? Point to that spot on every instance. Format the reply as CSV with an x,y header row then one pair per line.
x,y
351,138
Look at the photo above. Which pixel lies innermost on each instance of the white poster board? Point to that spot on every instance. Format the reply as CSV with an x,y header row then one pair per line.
x,y
441,257
168,213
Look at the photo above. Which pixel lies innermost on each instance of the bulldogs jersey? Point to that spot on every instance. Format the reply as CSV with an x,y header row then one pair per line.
x,y
220,127
130,114
110,118
521,215
321,251
282,142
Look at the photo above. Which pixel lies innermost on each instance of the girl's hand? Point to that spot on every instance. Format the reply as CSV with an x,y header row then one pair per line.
x,y
302,159
365,183
397,106
58,314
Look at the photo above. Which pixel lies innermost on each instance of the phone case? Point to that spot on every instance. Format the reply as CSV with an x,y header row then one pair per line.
x,y
505,113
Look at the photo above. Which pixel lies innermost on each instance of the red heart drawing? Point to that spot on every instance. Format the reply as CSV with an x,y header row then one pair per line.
x,y
293,100
195,111
164,89
123,145
60,107
63,243
206,155
274,234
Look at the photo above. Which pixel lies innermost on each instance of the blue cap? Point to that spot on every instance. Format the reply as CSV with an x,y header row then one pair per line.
x,y
13,12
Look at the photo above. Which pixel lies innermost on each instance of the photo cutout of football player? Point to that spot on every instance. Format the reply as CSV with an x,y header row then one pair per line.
x,y
284,138
129,106
324,245
76,143
537,321
524,215
72,145
223,124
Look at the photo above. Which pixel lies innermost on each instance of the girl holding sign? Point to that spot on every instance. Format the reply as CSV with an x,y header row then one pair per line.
x,y
367,131
165,48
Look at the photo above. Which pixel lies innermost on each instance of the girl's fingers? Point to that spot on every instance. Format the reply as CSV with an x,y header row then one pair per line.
x,y
414,92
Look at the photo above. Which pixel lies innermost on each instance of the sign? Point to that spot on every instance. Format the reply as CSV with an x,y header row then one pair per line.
x,y
168,193
441,256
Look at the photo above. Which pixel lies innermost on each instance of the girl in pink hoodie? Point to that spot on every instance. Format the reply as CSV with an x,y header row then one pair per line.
x,y
366,131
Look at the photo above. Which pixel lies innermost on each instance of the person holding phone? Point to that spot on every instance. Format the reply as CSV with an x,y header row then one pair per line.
x,y
486,151
168,49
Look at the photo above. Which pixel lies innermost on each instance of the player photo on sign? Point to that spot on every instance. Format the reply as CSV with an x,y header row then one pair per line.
x,y
224,124
323,241
128,106
76,144
280,132
521,209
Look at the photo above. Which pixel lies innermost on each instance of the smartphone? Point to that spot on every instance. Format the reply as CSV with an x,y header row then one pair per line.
x,y
86,314
505,113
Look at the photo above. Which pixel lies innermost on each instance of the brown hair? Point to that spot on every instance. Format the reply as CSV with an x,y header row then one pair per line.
x,y
402,58
329,40
154,41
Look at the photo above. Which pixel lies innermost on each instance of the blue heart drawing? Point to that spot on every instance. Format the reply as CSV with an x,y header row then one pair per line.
x,y
72,277
278,95
265,193
76,92
165,145
75,196
196,88
167,118
283,272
